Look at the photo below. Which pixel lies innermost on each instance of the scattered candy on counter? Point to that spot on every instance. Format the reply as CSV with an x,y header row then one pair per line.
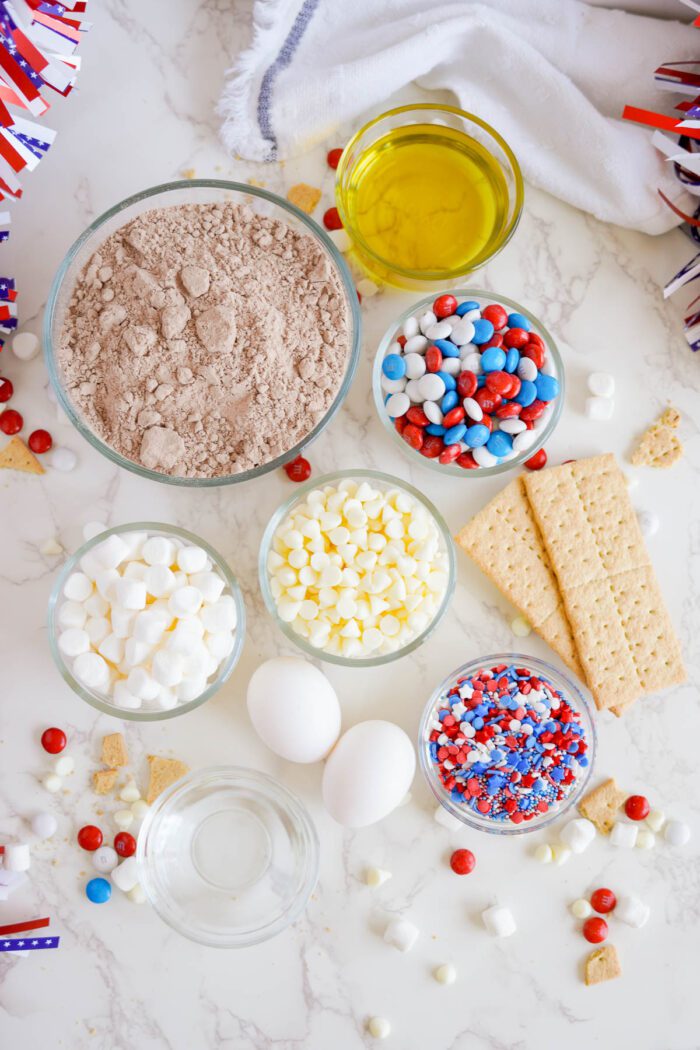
x,y
499,921
378,1027
543,853
401,934
145,621
298,470
581,909
521,627
601,406
44,825
676,833
578,834
462,862
357,570
90,837
25,346
632,910
469,383
603,900
333,157
649,523
53,740
98,890
595,930
376,877
507,744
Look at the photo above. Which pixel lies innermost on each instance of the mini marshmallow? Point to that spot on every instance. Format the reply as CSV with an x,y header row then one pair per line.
x,y
185,601
123,818
160,581
44,825
105,581
17,856
221,616
191,559
560,854
112,551
71,614
166,699
51,548
447,819
376,877
125,875
63,459
209,584
63,765
401,934
52,783
122,621
96,606
105,859
135,570
73,641
219,645
624,835
150,625
137,894
97,628
123,697
378,1027
499,921
168,668
130,793
90,565
543,853
578,834
632,910
140,683
112,648
77,587
92,529
134,541
581,909
130,594
601,384
676,833
190,688
157,550
656,820
600,409
445,974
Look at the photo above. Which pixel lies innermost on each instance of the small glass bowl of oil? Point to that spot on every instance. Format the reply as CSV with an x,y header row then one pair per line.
x,y
428,194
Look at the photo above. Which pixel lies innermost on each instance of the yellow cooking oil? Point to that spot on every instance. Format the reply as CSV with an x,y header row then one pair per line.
x,y
429,199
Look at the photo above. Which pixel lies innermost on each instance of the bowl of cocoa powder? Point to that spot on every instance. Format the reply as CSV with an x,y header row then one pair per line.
x,y
202,332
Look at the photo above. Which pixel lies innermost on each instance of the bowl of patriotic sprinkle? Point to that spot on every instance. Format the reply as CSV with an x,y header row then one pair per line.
x,y
507,743
469,383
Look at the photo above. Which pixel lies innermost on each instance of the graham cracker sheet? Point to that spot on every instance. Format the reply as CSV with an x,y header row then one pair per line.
x,y
621,628
504,541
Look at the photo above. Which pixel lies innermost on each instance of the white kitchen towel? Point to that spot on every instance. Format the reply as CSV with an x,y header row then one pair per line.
x,y
552,76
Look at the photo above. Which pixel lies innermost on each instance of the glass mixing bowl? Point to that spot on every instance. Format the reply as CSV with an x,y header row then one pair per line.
x,y
102,702
228,857
565,685
194,191
473,132
555,365
377,480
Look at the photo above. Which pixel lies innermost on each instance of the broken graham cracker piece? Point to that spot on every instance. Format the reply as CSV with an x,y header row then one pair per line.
x,y
602,804
103,780
659,446
304,196
16,456
623,633
504,541
114,753
162,773
602,964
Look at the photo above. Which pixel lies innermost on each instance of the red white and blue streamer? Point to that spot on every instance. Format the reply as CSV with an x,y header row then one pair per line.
x,y
38,43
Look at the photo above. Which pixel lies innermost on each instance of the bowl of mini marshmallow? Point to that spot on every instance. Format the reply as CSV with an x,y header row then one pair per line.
x,y
146,621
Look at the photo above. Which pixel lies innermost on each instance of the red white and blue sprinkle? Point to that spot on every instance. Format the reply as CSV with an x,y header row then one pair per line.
x,y
507,743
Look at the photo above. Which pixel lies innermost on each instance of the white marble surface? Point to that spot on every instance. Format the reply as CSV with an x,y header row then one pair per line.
x,y
121,979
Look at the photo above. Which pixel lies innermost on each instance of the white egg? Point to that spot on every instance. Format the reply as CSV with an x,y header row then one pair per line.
x,y
294,709
368,773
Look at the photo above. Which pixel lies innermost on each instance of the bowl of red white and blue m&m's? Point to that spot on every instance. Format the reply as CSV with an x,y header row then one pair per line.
x,y
469,383
507,743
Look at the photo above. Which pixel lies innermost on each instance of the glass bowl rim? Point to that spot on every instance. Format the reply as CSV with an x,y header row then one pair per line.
x,y
431,275
564,683
294,807
99,703
451,469
312,228
389,481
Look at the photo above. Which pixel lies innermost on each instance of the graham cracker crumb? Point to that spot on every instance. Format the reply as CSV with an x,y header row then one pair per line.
x,y
602,964
162,773
103,780
659,446
601,805
114,751
304,196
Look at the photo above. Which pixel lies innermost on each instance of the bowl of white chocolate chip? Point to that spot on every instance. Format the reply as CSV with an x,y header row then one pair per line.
x,y
146,621
357,568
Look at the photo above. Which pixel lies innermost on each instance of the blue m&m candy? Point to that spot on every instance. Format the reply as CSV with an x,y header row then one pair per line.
x,y
455,434
516,320
98,891
467,307
499,443
547,387
483,330
527,393
476,435
394,366
493,359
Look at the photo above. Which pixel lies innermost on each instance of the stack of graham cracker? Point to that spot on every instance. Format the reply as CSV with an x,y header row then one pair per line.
x,y
565,548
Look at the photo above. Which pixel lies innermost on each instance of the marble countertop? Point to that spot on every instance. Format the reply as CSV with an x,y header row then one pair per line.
x,y
121,979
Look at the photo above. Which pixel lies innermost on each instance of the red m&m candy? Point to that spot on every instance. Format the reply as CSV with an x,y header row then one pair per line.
x,y
462,861
595,930
331,219
90,837
11,422
444,306
53,740
333,157
496,315
40,441
603,901
6,390
537,461
298,470
125,844
637,807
